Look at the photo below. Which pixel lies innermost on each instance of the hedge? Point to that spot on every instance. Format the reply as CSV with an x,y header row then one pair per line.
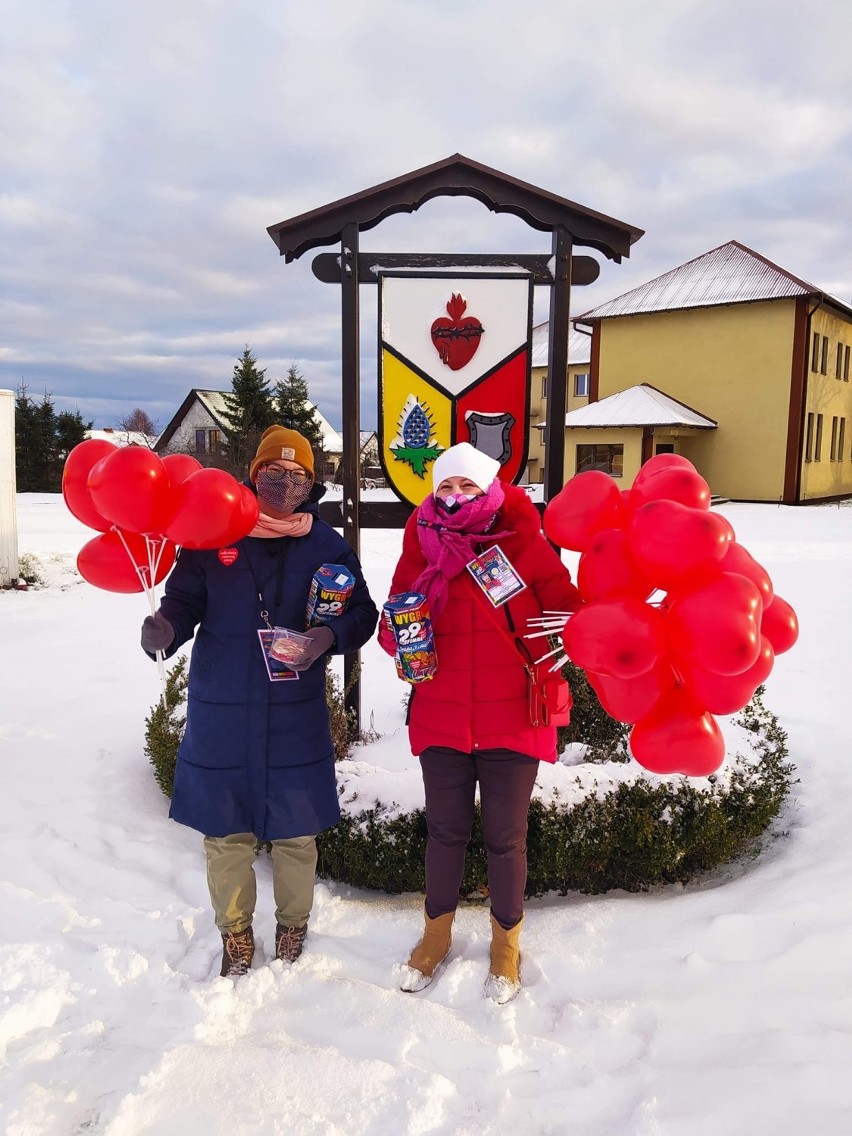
x,y
634,834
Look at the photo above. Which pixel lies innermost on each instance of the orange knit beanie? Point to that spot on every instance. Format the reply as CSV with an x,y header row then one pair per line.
x,y
278,443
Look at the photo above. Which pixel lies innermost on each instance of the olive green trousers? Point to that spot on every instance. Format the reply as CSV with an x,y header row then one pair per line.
x,y
233,887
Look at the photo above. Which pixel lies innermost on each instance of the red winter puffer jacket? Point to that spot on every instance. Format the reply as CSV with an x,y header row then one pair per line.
x,y
479,698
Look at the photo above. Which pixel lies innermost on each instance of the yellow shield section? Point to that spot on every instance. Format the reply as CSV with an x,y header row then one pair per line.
x,y
415,425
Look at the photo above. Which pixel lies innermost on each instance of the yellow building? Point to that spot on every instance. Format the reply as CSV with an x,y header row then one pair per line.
x,y
576,394
731,361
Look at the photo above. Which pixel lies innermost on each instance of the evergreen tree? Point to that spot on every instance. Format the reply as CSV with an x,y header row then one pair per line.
x,y
294,409
250,411
43,440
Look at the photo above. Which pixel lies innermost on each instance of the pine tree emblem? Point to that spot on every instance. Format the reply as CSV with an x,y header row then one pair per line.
x,y
415,443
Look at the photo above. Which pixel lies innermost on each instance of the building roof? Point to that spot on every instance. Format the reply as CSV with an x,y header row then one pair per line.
x,y
579,345
642,405
730,274
452,177
214,403
120,437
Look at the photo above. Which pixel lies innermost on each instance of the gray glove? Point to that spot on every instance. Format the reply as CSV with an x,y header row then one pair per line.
x,y
322,640
157,633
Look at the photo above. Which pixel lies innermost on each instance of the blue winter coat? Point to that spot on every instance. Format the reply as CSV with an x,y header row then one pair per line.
x,y
257,756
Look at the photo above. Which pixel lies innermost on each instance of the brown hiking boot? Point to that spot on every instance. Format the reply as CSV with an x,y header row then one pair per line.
x,y
289,942
237,952
429,953
504,977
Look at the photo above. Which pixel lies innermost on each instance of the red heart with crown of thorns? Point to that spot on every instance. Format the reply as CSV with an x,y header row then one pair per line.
x,y
456,339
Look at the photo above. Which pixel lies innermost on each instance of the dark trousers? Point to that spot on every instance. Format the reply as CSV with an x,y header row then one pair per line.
x,y
506,782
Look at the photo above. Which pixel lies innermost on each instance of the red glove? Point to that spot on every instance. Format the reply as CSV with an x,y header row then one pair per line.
x,y
387,642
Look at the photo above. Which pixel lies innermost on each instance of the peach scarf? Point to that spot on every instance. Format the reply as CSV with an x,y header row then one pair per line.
x,y
297,524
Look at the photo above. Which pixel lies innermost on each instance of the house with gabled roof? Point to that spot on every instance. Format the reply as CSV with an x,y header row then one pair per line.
x,y
732,361
200,427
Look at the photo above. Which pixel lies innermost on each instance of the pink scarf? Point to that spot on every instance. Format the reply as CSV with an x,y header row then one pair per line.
x,y
450,541
297,524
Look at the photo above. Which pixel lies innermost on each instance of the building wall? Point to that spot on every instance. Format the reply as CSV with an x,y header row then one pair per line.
x,y
630,439
538,413
731,363
196,418
828,397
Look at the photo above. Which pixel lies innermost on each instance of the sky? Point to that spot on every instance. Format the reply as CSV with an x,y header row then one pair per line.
x,y
721,1007
145,148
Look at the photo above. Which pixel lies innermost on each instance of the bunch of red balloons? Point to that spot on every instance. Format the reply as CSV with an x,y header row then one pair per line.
x,y
143,506
666,663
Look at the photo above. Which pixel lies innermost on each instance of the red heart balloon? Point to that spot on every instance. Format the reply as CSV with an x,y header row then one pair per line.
x,y
670,541
212,509
619,638
131,486
780,625
105,563
180,466
672,483
78,466
628,700
587,504
607,570
678,736
738,560
661,461
715,624
725,694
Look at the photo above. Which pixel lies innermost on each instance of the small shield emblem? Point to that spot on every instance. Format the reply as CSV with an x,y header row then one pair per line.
x,y
491,433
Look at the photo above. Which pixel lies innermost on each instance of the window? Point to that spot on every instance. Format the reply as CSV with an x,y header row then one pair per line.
x,y
815,352
841,439
818,442
846,365
214,441
838,369
581,385
608,458
823,366
201,441
544,386
664,448
809,441
832,453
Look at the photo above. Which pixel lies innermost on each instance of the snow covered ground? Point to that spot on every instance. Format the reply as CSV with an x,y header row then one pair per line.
x,y
723,1007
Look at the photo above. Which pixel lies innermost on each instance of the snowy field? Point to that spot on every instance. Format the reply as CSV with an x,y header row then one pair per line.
x,y
723,1007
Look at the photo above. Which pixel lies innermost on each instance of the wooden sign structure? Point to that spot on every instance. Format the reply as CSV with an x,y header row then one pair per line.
x,y
343,221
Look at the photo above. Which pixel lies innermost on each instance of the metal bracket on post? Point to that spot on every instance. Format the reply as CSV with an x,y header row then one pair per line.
x,y
351,410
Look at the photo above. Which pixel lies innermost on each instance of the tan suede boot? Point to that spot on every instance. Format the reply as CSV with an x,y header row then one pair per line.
x,y
504,976
429,953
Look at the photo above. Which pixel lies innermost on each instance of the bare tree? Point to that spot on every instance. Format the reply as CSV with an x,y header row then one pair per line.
x,y
138,421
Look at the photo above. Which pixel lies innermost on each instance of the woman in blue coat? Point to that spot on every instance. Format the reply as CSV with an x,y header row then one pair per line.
x,y
256,761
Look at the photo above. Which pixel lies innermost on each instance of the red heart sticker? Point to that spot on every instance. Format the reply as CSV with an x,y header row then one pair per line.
x,y
228,556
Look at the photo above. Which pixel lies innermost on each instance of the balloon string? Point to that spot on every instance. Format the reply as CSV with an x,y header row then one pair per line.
x,y
145,575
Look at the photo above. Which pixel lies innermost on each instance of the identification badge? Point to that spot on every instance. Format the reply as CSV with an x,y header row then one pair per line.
x,y
276,667
495,576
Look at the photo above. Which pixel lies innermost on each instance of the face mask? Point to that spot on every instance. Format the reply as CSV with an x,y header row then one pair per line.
x,y
283,495
453,502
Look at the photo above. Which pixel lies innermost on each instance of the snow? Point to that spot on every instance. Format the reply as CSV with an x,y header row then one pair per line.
x,y
724,1006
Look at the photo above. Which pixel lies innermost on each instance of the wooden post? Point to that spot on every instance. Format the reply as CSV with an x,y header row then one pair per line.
x,y
351,408
557,365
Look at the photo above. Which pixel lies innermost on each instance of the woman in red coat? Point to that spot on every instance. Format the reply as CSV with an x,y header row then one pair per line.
x,y
472,722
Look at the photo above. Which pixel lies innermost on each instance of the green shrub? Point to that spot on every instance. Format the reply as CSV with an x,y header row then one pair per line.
x,y
639,834
29,570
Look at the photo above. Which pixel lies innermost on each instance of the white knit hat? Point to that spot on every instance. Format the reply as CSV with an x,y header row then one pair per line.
x,y
463,460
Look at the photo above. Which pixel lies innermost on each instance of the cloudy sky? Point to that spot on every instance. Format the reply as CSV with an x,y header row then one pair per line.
x,y
145,146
